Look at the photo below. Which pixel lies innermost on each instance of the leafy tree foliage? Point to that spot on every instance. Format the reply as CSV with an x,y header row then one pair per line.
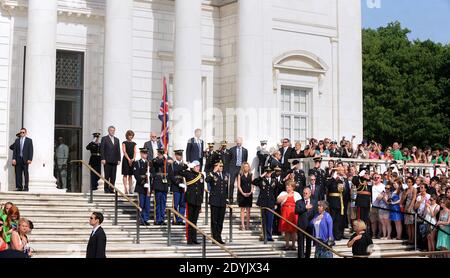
x,y
406,88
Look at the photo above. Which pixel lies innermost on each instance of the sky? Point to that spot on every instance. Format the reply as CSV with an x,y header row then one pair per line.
x,y
427,19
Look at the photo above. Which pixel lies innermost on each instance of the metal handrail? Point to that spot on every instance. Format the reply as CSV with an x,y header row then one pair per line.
x,y
116,192
307,234
107,182
171,210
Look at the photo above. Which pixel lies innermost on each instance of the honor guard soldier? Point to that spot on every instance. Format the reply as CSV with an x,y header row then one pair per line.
x,y
299,177
218,199
224,156
337,191
279,187
178,186
209,158
161,180
266,198
140,172
195,183
318,172
262,155
363,195
95,161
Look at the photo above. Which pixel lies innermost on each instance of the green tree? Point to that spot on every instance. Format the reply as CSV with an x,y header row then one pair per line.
x,y
406,88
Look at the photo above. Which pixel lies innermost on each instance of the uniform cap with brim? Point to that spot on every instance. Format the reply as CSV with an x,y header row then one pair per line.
x,y
263,142
161,151
277,169
268,169
211,144
143,150
178,152
96,134
317,159
224,143
218,163
295,162
193,164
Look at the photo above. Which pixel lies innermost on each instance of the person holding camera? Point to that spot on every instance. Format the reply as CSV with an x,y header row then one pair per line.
x,y
323,230
140,170
360,241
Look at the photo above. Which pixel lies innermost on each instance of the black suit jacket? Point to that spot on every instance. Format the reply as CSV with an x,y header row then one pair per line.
x,y
233,156
304,215
148,146
290,153
192,151
27,149
108,151
96,247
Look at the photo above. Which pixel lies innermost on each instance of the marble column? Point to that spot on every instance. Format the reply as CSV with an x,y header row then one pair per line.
x,y
250,93
117,85
187,112
117,80
39,100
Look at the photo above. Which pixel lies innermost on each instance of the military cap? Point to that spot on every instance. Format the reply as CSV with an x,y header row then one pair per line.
x,y
143,150
263,142
224,143
211,144
317,159
96,134
277,168
178,152
161,151
268,169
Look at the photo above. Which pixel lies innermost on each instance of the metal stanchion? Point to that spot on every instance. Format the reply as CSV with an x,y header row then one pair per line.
x,y
138,224
415,231
115,206
206,208
204,247
231,224
169,229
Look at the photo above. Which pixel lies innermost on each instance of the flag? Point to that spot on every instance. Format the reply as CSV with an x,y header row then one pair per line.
x,y
163,116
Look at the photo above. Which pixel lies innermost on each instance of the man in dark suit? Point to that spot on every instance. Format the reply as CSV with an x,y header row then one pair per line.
x,y
238,155
195,148
287,152
96,247
317,190
110,153
152,146
306,209
22,157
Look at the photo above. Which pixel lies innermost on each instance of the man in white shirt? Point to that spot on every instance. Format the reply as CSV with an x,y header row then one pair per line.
x,y
152,146
377,188
62,155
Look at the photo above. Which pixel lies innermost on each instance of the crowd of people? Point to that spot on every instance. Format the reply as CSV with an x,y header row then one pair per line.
x,y
323,201
14,231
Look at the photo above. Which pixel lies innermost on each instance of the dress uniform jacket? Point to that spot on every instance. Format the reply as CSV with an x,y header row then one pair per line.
x,y
224,156
140,168
266,196
219,189
158,175
94,148
332,188
176,178
209,160
194,192
320,175
363,197
300,180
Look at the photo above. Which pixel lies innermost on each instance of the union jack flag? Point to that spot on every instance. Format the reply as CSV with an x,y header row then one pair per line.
x,y
163,115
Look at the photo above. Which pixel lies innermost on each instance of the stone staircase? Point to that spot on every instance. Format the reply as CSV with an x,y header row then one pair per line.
x,y
62,230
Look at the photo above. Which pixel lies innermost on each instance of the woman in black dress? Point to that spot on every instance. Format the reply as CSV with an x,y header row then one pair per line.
x,y
129,155
298,152
245,195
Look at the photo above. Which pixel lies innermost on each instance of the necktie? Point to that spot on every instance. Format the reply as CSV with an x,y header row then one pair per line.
x,y
21,146
239,158
112,139
282,159
307,202
220,175
199,148
313,189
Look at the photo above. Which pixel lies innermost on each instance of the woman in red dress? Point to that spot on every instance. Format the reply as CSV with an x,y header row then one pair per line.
x,y
287,200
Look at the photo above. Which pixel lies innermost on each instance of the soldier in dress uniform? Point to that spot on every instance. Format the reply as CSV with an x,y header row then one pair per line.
x,y
363,195
140,172
178,186
210,157
218,199
318,172
337,194
62,157
262,155
195,183
95,161
266,198
279,187
161,177
299,176
224,156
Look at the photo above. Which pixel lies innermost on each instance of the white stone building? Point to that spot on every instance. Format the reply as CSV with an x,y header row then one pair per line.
x,y
287,68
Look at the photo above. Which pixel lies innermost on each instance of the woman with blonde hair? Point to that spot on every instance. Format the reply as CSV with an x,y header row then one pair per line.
x,y
287,199
245,194
19,239
360,241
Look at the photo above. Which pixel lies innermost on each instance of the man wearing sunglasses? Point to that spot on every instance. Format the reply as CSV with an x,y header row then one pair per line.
x,y
96,247
22,157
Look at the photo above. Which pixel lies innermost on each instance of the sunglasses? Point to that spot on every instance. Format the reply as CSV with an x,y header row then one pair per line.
x,y
92,218
22,132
